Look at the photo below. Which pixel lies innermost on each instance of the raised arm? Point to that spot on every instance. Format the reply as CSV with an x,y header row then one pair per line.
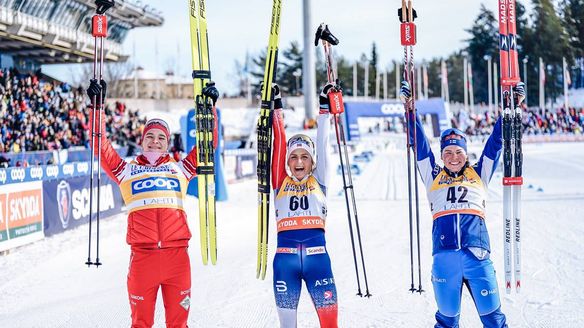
x,y
425,157
278,149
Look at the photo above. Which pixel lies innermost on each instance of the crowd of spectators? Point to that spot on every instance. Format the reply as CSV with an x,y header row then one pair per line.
x,y
38,115
535,121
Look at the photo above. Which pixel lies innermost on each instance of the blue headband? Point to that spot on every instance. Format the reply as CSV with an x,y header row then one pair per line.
x,y
452,137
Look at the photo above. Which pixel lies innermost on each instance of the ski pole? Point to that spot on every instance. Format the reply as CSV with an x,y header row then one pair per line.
x,y
99,31
407,15
335,98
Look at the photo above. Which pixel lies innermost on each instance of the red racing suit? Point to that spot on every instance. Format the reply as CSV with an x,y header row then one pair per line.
x,y
157,232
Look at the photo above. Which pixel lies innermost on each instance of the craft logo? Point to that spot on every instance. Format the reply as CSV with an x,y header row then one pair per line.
x,y
3,176
64,202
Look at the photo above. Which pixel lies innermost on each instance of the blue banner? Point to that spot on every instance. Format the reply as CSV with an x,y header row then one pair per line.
x,y
391,108
189,134
66,202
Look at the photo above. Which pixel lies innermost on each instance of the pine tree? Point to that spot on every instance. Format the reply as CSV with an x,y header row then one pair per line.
x,y
552,44
484,42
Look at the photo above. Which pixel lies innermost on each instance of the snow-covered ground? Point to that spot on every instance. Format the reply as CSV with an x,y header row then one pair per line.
x,y
46,284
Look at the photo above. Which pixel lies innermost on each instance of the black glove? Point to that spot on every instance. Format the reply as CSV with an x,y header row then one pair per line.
x,y
323,100
95,89
211,91
405,92
519,93
276,95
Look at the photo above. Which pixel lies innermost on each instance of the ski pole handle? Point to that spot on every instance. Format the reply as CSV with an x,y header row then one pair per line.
x,y
103,5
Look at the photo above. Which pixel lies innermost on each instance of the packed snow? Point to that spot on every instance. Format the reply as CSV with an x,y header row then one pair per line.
x,y
46,284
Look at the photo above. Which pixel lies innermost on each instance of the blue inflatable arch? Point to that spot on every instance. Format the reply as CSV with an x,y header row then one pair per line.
x,y
392,108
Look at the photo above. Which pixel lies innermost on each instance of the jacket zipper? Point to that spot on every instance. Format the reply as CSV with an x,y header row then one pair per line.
x,y
159,228
458,231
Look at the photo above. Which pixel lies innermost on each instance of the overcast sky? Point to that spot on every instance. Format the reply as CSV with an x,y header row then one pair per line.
x,y
237,27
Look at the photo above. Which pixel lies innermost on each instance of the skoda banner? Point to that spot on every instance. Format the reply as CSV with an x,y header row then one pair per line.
x,y
21,214
66,202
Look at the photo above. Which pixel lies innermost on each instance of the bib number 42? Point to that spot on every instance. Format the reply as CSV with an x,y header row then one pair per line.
x,y
451,195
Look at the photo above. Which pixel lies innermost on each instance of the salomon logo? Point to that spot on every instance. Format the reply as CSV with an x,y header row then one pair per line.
x,y
153,184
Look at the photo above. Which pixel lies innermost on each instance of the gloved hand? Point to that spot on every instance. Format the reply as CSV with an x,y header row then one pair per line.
x,y
519,93
95,89
276,95
405,92
323,99
211,91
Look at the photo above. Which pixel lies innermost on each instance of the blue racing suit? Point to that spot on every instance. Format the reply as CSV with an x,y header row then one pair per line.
x,y
460,238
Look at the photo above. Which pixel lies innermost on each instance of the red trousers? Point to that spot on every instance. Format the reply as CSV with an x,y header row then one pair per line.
x,y
150,269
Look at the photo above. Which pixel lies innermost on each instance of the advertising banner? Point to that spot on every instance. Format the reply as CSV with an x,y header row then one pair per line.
x,y
67,202
21,214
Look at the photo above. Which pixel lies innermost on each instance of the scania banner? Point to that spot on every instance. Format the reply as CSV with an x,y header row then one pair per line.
x,y
67,202
21,214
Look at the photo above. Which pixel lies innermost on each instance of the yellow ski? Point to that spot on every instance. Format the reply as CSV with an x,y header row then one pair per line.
x,y
264,141
204,135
